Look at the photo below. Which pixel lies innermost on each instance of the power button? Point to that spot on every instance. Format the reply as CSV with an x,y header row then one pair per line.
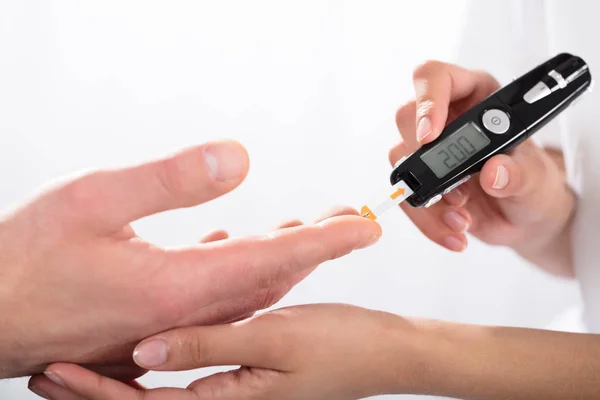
x,y
496,121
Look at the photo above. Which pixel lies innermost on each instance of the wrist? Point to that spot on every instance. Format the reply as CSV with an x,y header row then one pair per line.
x,y
437,359
552,248
417,350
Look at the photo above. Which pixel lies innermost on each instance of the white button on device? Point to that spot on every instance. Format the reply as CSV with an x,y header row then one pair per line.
x,y
433,200
400,161
457,184
496,121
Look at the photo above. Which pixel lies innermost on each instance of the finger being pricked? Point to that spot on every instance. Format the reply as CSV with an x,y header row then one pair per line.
x,y
239,308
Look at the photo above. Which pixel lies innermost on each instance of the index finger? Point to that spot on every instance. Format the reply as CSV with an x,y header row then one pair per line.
x,y
436,85
264,264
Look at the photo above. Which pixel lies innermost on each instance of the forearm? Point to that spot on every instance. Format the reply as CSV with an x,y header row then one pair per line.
x,y
481,363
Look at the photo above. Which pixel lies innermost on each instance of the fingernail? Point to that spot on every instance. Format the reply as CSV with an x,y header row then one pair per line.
x,y
40,392
455,197
501,177
151,354
456,221
454,243
424,128
225,161
55,378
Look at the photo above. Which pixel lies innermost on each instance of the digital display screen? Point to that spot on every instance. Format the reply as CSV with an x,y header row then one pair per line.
x,y
455,149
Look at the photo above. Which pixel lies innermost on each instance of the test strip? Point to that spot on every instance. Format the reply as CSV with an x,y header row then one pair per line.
x,y
400,192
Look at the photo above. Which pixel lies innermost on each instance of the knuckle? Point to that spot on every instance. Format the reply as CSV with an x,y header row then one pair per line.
x,y
270,291
268,279
142,395
77,190
80,194
253,383
487,81
172,177
278,348
425,106
281,274
260,385
271,296
406,113
263,299
179,179
101,383
166,304
196,350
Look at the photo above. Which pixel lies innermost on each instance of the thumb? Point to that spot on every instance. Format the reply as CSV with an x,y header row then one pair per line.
x,y
111,199
522,175
530,182
248,342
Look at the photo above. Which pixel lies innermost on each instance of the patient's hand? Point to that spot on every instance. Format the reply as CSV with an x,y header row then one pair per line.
x,y
316,352
78,285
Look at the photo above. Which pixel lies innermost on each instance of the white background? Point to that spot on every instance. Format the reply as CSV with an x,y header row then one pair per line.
x,y
310,88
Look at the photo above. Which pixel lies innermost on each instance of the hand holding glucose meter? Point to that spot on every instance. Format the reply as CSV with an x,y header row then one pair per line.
x,y
496,125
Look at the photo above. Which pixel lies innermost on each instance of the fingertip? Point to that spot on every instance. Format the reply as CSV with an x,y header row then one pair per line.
x,y
455,243
56,373
459,220
151,353
215,236
46,389
71,381
35,379
375,231
369,231
337,211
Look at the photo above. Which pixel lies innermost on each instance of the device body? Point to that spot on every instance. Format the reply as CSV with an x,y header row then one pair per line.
x,y
496,125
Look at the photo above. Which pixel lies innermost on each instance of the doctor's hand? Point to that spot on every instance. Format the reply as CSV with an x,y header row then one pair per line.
x,y
316,352
78,285
520,200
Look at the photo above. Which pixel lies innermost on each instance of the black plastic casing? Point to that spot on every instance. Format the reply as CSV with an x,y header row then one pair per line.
x,y
525,120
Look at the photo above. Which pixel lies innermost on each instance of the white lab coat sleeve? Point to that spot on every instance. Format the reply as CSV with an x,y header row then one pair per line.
x,y
507,38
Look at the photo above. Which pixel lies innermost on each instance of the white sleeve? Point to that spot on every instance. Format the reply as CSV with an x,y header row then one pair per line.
x,y
507,38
